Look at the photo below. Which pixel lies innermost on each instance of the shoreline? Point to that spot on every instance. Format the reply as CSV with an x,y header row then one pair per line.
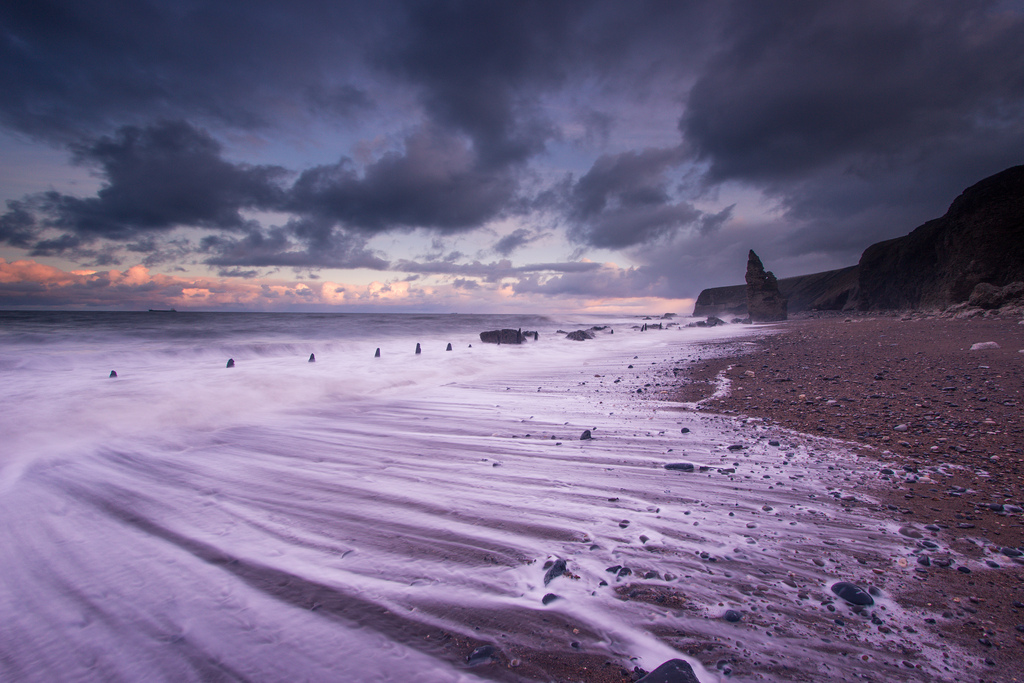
x,y
942,423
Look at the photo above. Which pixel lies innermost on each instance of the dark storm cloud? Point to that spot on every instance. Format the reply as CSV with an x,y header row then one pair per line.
x,y
154,179
68,68
625,199
299,244
479,66
801,85
436,182
513,241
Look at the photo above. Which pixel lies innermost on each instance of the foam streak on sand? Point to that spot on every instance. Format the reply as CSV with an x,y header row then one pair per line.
x,y
350,521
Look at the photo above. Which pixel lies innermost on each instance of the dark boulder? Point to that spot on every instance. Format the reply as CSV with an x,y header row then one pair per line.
x,y
672,671
418,350
312,358
586,436
580,335
231,363
556,569
449,347
113,373
712,321
764,301
377,353
985,295
505,336
852,593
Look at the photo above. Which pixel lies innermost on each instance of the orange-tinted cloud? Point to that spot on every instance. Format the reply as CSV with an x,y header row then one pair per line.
x,y
29,284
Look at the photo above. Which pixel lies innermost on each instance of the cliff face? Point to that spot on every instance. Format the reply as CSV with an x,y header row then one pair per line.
x,y
829,290
979,239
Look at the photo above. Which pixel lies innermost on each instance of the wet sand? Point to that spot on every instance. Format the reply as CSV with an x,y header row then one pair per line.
x,y
942,424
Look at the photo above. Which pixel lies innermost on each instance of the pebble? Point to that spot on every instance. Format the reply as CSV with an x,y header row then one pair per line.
x,y
963,570
900,428
732,616
685,430
680,466
585,436
549,598
482,655
852,593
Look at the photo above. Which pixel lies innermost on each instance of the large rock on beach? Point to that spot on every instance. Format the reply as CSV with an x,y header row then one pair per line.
x,y
988,296
764,301
672,671
580,335
505,336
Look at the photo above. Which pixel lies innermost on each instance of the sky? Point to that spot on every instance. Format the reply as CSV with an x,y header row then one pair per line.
x,y
477,156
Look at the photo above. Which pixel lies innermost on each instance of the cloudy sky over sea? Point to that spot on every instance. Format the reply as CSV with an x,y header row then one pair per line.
x,y
480,156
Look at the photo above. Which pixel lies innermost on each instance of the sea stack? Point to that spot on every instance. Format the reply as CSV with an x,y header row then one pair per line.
x,y
418,348
312,358
231,363
764,302
377,354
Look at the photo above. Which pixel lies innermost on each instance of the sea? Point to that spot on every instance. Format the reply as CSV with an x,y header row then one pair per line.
x,y
317,512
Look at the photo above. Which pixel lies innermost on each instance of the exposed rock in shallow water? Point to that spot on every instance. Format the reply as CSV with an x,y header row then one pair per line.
x,y
113,373
679,466
764,302
672,671
586,435
554,571
231,363
580,335
712,321
505,336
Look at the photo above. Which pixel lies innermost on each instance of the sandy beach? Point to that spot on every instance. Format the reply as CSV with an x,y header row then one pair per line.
x,y
943,426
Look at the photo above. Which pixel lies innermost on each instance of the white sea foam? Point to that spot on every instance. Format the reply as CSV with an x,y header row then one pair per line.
x,y
285,520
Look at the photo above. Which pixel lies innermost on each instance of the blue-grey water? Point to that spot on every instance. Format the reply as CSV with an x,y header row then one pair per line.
x,y
362,519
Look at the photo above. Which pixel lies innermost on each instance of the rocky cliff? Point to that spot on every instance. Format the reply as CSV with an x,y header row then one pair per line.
x,y
829,290
979,239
